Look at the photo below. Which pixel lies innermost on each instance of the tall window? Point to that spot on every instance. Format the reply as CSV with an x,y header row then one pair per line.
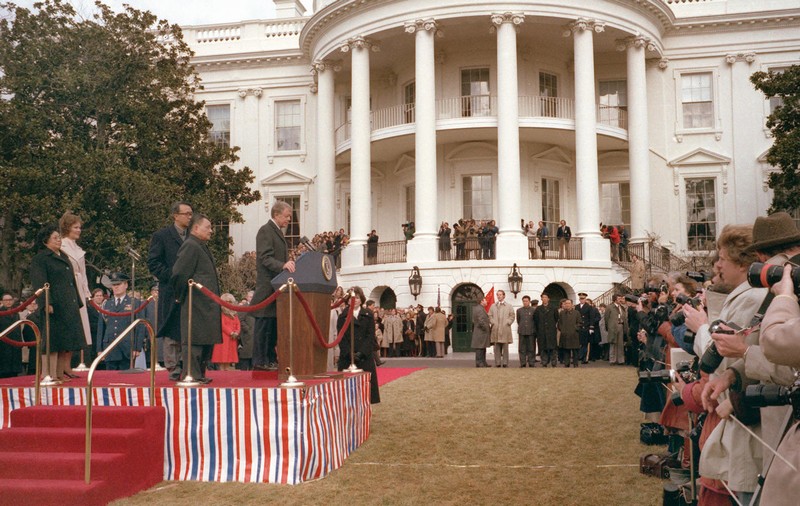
x,y
410,202
293,229
701,214
288,124
548,91
615,204
477,197
613,102
409,101
551,204
475,100
776,102
697,98
220,118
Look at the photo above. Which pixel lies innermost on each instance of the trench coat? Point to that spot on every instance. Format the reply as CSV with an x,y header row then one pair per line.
x,y
502,317
481,328
195,262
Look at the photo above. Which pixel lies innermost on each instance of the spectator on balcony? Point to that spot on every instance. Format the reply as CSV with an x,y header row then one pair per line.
x,y
624,236
637,274
408,230
490,232
542,234
372,248
530,233
473,246
444,241
564,234
460,237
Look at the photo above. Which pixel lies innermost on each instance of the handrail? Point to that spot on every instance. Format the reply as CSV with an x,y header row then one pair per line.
x,y
37,396
90,378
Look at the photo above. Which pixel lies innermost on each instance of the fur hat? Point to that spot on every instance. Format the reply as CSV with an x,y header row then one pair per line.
x,y
774,230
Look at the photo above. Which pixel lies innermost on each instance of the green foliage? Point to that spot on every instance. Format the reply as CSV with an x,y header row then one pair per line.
x,y
98,116
784,123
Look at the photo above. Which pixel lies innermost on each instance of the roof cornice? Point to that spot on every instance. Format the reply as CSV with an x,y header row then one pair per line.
x,y
722,22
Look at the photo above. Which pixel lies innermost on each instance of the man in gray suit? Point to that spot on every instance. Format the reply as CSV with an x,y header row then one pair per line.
x,y
616,322
481,333
195,262
272,257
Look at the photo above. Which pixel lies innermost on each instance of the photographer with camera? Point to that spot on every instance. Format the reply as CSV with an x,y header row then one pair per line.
x,y
730,452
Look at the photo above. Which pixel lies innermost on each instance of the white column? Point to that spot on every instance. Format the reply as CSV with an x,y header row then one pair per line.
x,y
360,156
638,149
511,243
588,184
424,246
326,146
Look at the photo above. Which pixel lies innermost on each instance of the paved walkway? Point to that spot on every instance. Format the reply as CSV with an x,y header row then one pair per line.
x,y
457,360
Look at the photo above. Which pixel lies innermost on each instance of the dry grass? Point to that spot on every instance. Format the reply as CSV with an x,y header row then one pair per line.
x,y
476,436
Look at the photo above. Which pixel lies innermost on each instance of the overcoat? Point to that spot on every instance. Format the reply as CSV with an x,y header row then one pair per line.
x,y
481,328
195,262
546,319
502,317
435,324
392,329
569,323
164,246
78,259
271,253
66,328
364,345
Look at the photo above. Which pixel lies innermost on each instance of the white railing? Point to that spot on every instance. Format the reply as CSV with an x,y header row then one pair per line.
x,y
283,28
219,34
485,106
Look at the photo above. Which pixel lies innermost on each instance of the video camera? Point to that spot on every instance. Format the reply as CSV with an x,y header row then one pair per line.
x,y
761,275
711,358
760,396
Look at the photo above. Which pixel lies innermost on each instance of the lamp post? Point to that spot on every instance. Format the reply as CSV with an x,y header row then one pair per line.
x,y
515,281
415,282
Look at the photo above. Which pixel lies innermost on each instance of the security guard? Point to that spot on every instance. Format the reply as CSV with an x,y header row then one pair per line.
x,y
109,327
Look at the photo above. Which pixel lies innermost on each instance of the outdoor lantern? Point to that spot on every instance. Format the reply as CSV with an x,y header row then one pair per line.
x,y
415,282
515,281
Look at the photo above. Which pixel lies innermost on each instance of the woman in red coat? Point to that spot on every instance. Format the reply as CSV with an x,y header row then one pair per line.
x,y
226,355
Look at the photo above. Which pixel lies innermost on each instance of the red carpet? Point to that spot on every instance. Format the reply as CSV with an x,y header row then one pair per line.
x,y
42,454
389,374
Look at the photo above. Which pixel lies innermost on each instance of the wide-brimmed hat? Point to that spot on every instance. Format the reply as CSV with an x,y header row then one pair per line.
x,y
774,230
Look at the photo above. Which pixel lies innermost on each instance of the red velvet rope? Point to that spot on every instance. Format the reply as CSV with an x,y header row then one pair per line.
x,y
338,303
17,344
314,325
234,307
22,306
129,313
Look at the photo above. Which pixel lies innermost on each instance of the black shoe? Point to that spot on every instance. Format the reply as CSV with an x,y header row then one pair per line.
x,y
497,365
174,375
273,366
505,365
205,380
523,365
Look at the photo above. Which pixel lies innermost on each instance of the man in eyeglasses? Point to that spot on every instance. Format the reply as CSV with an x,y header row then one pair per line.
x,y
164,247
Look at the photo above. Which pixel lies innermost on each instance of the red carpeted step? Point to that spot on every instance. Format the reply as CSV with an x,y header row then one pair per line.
x,y
59,465
69,439
75,416
31,492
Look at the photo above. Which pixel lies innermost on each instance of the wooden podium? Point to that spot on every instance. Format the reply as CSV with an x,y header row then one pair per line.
x,y
315,276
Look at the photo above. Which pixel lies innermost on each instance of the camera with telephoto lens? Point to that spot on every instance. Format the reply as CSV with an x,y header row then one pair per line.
x,y
679,318
712,358
684,370
761,275
761,396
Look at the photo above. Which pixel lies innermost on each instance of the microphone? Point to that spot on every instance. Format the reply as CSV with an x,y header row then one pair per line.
x,y
133,253
305,242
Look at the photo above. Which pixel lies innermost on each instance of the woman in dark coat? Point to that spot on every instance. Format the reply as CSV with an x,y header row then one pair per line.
x,y
52,266
364,339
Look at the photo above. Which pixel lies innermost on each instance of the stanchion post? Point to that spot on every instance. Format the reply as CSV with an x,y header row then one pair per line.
x,y
82,366
48,380
353,369
154,347
291,381
188,380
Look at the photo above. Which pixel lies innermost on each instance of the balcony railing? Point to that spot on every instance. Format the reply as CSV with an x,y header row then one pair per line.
x,y
392,252
551,249
485,106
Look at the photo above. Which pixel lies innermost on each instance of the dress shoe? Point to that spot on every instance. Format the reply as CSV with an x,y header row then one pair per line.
x,y
505,365
523,365
174,375
205,380
273,366
497,365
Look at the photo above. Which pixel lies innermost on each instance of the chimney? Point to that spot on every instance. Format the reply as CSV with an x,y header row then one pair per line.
x,y
289,8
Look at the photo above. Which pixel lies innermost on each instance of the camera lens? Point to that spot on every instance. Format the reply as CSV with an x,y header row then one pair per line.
x,y
761,275
759,396
711,359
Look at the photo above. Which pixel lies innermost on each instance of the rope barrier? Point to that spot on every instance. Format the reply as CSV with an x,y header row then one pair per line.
x,y
17,344
338,303
22,306
129,313
234,307
314,325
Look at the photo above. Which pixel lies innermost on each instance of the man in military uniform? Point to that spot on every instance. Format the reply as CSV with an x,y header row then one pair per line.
x,y
110,327
527,333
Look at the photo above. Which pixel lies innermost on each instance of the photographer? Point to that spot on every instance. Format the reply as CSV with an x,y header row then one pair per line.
x,y
651,358
730,452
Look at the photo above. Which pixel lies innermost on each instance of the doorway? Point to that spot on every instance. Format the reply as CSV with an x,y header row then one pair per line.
x,y
465,297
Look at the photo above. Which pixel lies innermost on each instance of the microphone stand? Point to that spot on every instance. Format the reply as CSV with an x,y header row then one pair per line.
x,y
135,256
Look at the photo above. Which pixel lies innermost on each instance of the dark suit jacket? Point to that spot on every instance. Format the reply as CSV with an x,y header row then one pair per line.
x,y
271,253
564,233
195,262
164,247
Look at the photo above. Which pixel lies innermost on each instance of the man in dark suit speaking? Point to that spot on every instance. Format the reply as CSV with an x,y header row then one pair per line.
x,y
272,257
164,248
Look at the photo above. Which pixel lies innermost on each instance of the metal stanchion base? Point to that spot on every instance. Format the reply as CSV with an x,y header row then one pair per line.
x,y
132,371
188,382
353,369
49,382
292,382
81,367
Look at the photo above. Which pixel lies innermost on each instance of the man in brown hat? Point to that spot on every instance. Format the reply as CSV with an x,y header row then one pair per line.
x,y
775,240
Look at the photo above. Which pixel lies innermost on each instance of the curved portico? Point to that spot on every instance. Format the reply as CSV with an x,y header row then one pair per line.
x,y
417,48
